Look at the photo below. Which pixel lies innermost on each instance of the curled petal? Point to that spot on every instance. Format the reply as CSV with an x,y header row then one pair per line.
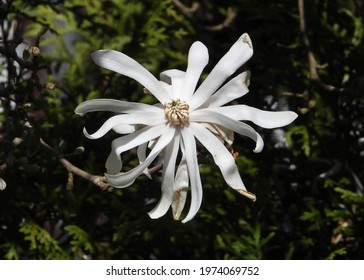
x,y
209,116
238,54
123,64
235,88
123,180
266,119
189,145
167,179
113,105
145,119
222,157
141,137
198,58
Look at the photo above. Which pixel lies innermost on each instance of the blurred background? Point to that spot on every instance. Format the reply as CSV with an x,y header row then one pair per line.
x,y
308,58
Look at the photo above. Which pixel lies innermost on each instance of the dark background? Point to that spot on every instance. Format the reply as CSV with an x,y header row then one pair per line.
x,y
308,178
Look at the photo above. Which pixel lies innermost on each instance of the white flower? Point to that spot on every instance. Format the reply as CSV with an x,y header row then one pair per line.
x,y
183,115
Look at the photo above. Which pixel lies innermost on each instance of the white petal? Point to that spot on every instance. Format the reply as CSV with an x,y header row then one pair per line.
x,y
167,76
113,105
150,118
113,163
222,133
123,180
142,155
235,88
222,157
180,187
266,119
169,165
198,58
238,54
123,64
209,116
175,78
189,144
124,128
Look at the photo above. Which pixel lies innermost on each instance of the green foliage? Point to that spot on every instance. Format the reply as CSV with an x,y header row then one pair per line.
x,y
80,241
12,251
250,245
42,245
308,179
302,138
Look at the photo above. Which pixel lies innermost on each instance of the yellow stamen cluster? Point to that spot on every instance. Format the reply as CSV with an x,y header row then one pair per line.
x,y
176,112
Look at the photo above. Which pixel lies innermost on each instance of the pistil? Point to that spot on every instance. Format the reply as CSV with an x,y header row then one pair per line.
x,y
176,112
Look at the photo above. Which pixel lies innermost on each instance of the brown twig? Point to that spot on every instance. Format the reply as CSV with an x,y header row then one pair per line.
x,y
155,168
41,32
72,169
185,9
230,16
313,65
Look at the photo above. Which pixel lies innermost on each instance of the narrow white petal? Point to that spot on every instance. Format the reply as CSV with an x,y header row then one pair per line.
x,y
174,78
198,58
113,105
142,155
168,88
123,64
238,54
189,144
209,116
180,187
140,137
169,164
124,128
168,75
235,88
123,180
222,157
222,133
266,119
145,119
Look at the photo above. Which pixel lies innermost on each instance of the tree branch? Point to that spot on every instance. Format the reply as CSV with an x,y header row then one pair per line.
x,y
230,16
72,169
313,65
186,10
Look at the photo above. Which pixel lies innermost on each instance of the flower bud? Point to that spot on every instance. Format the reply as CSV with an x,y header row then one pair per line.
x,y
2,185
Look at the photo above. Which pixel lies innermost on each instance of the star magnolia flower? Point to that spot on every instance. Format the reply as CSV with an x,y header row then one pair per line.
x,y
183,115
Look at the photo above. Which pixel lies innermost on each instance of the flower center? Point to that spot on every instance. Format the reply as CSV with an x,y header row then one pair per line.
x,y
176,111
